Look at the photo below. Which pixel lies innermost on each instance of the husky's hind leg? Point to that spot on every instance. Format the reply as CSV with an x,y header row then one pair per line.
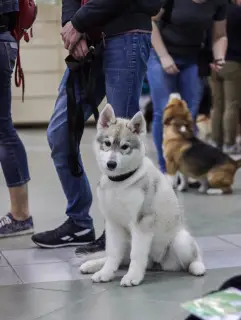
x,y
183,254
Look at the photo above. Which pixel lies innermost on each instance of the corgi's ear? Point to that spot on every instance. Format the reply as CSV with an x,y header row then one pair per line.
x,y
167,120
137,124
106,118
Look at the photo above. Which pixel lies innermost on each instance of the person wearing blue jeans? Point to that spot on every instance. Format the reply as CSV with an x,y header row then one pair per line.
x,y
173,63
13,156
125,57
162,84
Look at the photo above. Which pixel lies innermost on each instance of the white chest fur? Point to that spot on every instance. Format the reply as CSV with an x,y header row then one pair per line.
x,y
120,204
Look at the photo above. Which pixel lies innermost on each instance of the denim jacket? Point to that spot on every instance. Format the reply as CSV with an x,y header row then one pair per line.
x,y
7,6
69,8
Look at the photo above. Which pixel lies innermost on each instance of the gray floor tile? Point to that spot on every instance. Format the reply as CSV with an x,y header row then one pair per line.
x,y
16,242
161,287
232,238
159,297
3,261
79,289
109,307
222,259
8,276
37,256
212,280
213,244
48,272
172,287
25,303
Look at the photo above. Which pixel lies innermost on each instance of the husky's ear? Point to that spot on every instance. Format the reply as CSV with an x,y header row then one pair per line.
x,y
107,117
137,124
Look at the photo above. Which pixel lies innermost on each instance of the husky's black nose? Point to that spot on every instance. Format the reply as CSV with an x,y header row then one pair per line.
x,y
111,165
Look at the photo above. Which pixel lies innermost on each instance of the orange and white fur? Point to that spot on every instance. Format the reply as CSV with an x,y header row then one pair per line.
x,y
143,221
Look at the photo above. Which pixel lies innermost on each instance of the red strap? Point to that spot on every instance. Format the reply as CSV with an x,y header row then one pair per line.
x,y
19,75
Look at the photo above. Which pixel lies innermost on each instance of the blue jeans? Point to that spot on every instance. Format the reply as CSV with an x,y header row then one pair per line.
x,y
186,82
124,62
12,153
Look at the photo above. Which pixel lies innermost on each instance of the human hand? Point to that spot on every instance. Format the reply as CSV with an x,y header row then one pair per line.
x,y
70,36
80,50
168,64
217,65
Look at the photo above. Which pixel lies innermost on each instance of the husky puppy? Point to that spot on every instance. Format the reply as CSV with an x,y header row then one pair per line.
x,y
144,224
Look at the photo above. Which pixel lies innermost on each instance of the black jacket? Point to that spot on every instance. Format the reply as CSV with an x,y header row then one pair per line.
x,y
113,16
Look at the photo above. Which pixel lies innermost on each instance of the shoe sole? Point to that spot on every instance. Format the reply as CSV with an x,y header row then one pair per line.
x,y
16,234
49,246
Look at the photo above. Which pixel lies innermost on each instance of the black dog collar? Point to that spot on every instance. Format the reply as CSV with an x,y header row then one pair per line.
x,y
122,177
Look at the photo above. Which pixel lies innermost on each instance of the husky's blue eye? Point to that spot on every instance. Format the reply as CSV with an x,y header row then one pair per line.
x,y
125,146
107,143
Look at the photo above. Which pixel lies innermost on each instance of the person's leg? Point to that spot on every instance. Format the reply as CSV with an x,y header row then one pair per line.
x,y
12,153
161,86
206,100
78,229
216,83
77,189
125,64
191,86
232,99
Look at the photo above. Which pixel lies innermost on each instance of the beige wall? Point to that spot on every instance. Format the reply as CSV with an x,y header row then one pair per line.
x,y
43,65
42,62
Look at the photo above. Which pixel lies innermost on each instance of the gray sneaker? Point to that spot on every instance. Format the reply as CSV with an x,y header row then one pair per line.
x,y
9,227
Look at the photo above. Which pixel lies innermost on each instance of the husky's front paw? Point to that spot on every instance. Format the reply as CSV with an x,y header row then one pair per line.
x,y
102,276
130,280
90,267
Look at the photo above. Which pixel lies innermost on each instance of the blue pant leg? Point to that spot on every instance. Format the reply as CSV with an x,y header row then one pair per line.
x,y
191,87
125,65
77,189
161,86
13,156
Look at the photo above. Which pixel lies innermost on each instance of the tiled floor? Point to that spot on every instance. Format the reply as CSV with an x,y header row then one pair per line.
x,y
46,284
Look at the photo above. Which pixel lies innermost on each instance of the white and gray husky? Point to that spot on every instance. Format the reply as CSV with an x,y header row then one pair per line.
x,y
144,224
